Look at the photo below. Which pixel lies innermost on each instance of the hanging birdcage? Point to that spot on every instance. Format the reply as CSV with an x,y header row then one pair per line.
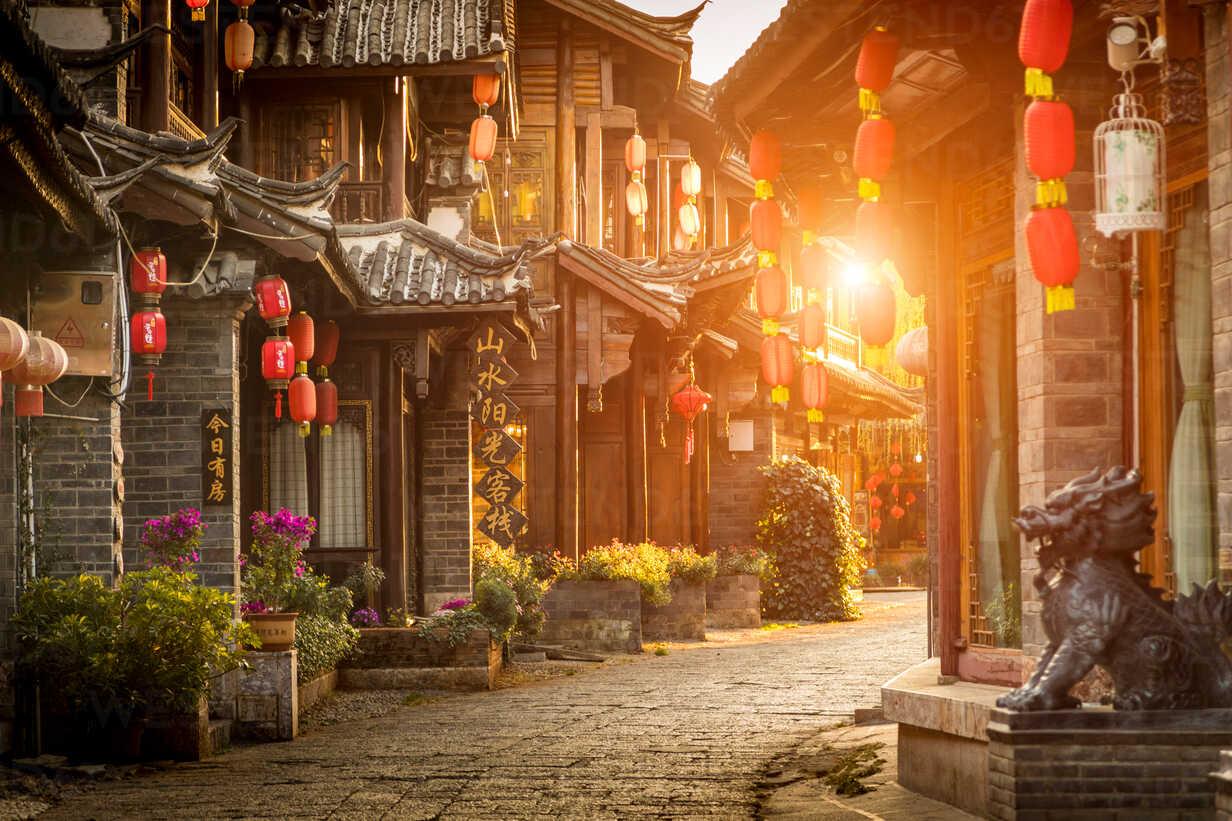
x,y
1129,169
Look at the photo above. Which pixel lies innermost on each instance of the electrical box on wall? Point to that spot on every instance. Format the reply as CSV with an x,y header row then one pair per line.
x,y
77,309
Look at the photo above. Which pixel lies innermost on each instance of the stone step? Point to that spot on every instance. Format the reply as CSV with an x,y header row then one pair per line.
x,y
530,658
220,735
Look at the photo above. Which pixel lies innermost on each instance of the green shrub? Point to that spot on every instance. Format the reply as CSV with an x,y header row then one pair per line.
x,y
498,604
745,560
806,527
321,644
688,565
453,627
311,595
364,581
519,574
645,563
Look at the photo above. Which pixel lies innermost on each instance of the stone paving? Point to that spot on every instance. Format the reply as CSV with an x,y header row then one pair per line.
x,y
688,734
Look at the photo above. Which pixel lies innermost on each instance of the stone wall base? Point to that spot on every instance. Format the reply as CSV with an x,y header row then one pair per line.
x,y
418,678
733,602
601,616
398,658
321,687
267,703
683,618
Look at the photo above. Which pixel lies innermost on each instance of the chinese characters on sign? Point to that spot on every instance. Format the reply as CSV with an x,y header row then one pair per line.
x,y
216,465
491,374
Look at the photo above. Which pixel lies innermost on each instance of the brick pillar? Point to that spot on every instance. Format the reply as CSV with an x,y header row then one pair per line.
x,y
1220,188
1069,363
445,519
737,484
162,438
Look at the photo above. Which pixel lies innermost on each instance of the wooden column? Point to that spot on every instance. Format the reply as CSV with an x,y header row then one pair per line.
x,y
665,191
393,147
210,68
594,180
247,151
699,497
635,444
393,543
156,86
949,502
566,296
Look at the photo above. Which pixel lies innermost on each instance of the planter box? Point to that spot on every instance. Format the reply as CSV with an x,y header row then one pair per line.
x,y
683,618
310,692
115,731
178,736
267,705
733,601
397,658
602,616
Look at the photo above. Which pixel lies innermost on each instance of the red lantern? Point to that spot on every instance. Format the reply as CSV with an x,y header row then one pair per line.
x,y
812,208
910,498
325,349
875,67
812,327
1043,42
277,367
273,300
765,156
1053,248
766,219
243,6
873,155
815,390
874,524
238,48
876,502
874,232
876,313
912,352
635,154
1049,138
302,397
691,178
894,490
896,470
148,274
148,335
302,334
690,402
198,9
814,268
772,293
45,362
897,512
485,90
483,139
874,482
778,365
327,406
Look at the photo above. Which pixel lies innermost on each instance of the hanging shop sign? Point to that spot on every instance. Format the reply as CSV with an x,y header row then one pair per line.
x,y
503,524
494,410
498,486
491,407
216,440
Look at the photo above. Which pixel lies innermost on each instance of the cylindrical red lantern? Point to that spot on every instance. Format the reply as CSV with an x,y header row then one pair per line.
x,y
485,90
812,327
772,295
876,502
1053,247
897,512
1049,139
198,9
238,48
766,221
273,300
635,154
778,365
876,313
277,367
912,352
874,232
896,470
875,67
325,349
812,206
874,524
815,390
1043,41
765,156
301,332
148,274
327,406
148,336
302,397
815,268
45,362
873,155
483,139
690,401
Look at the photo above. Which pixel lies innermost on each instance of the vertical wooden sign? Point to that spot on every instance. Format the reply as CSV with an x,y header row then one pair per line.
x,y
491,375
216,440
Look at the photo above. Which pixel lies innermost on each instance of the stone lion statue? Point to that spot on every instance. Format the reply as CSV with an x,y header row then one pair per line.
x,y
1098,609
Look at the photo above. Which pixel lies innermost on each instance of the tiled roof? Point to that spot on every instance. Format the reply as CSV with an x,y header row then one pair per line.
x,y
669,36
384,33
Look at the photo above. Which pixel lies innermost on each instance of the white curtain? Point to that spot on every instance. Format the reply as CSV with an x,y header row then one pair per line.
x,y
1191,481
996,538
344,511
288,469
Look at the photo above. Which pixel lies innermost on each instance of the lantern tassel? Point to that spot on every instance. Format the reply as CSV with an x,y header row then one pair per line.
x,y
277,404
767,259
1038,84
816,416
327,430
870,101
1051,193
304,429
763,190
688,444
149,386
869,189
198,15
1060,298
779,394
770,326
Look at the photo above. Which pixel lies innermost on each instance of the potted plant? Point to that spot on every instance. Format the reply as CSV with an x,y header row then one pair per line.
x,y
733,597
271,571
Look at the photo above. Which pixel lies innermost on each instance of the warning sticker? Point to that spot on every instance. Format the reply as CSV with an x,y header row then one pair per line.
x,y
69,335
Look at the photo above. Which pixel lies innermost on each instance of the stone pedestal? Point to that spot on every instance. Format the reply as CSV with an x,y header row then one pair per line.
x,y
733,601
604,616
396,658
1222,781
1153,764
684,617
267,704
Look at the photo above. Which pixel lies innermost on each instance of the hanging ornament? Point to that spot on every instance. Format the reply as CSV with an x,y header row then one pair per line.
x,y
874,524
894,490
896,470
273,300
238,48
874,481
812,327
690,402
302,397
149,336
1043,42
148,275
873,155
772,295
910,498
635,154
325,346
1049,142
765,161
277,367
876,502
815,390
690,220
302,333
197,7
327,406
485,90
44,362
875,67
14,343
814,268
766,222
1130,170
778,364
1053,248
897,512
637,201
483,139
912,352
875,312
691,178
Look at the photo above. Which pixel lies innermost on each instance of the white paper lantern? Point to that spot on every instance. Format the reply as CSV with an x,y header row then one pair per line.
x,y
1129,170
691,178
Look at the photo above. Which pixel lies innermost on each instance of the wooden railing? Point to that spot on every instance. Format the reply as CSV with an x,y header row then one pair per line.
x,y
182,125
359,202
844,345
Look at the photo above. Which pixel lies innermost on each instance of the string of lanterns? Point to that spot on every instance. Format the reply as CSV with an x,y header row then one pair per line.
x,y
1052,243
691,187
485,91
766,223
239,43
636,199
147,278
814,267
285,354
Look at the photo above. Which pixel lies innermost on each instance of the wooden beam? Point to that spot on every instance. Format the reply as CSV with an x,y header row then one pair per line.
x,y
461,68
949,502
566,135
393,544
566,297
635,439
594,350
210,69
393,147
942,118
156,88
663,142
616,118
594,180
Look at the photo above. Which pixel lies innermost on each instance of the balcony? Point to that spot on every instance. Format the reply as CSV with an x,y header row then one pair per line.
x,y
359,202
182,125
844,345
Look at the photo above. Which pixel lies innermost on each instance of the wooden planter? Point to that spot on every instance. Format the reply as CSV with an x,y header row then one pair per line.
x,y
733,602
682,619
276,630
123,732
394,658
600,616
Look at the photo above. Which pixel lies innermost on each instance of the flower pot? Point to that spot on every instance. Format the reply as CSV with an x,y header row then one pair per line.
x,y
276,630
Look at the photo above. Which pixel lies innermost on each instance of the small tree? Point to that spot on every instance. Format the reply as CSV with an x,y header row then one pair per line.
x,y
806,527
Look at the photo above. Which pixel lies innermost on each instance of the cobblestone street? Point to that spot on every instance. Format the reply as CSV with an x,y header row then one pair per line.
x,y
682,735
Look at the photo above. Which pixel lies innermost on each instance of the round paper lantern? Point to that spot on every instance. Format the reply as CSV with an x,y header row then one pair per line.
x,y
327,406
1043,39
910,498
277,367
897,512
13,343
772,295
273,300
778,365
875,313
690,220
198,9
635,153
325,346
45,362
485,90
483,139
690,401
876,502
765,156
896,470
812,327
874,482
912,352
636,200
873,155
1053,249
147,274
148,335
815,268
815,390
874,524
302,397
1049,139
875,67
766,221
302,334
240,42
874,232
691,178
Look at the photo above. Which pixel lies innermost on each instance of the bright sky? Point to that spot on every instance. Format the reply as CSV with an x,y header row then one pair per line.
x,y
725,29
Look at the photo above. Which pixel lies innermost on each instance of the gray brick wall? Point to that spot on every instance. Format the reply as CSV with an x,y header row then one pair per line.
x,y
736,485
446,505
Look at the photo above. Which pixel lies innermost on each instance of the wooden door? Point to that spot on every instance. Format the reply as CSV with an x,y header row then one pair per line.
x,y
603,506
668,477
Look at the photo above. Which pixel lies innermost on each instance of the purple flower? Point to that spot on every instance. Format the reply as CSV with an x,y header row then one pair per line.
x,y
455,604
249,608
366,617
